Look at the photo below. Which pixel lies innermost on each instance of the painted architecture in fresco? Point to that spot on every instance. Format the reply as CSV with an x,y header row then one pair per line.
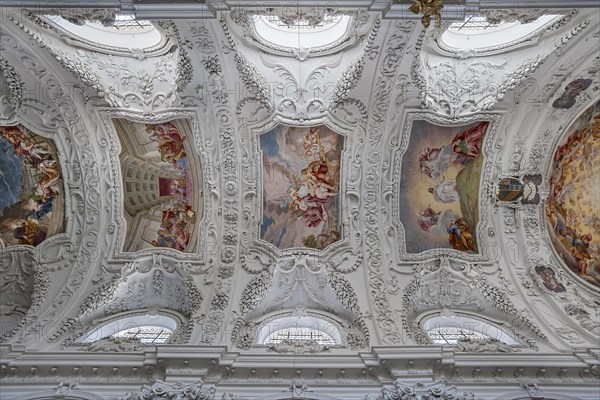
x,y
572,211
31,188
439,189
161,184
301,183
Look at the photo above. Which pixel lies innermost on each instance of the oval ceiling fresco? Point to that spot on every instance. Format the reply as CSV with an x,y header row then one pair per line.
x,y
572,211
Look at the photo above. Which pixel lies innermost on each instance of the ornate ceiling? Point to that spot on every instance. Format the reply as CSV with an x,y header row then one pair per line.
x,y
231,180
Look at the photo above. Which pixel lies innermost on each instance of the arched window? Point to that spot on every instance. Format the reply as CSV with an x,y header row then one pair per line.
x,y
299,333
301,31
146,334
148,329
478,35
452,334
121,35
449,330
296,329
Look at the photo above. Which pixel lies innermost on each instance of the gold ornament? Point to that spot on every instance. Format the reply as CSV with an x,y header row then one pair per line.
x,y
428,8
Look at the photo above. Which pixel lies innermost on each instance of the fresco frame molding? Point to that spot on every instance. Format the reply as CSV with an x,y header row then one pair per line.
x,y
343,129
106,116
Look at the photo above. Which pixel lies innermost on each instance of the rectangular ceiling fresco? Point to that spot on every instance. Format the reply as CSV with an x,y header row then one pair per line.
x,y
572,212
439,188
161,186
301,182
31,188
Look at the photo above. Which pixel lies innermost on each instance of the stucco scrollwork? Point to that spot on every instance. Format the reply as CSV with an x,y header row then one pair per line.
x,y
435,390
486,188
116,344
174,391
455,284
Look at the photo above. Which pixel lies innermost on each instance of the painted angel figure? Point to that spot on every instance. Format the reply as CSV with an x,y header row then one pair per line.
x,y
434,162
428,218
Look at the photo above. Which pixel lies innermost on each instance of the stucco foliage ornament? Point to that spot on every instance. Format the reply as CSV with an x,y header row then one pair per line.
x,y
456,284
519,14
117,344
255,291
173,391
16,86
484,346
382,311
157,281
434,391
298,347
185,69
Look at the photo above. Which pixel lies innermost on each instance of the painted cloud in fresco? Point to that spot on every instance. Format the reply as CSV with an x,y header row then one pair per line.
x,y
572,211
31,187
439,189
301,175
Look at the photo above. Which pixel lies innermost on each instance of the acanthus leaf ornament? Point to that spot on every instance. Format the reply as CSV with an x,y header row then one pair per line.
x,y
173,391
433,391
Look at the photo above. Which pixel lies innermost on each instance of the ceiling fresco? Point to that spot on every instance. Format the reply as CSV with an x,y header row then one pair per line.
x,y
572,212
301,181
160,181
439,189
360,219
32,200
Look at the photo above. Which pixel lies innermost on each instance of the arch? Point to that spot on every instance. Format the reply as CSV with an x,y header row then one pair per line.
x,y
477,35
305,396
135,38
116,325
462,326
308,324
301,32
525,396
54,394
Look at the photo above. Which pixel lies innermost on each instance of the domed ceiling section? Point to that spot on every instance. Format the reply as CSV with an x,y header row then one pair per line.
x,y
572,211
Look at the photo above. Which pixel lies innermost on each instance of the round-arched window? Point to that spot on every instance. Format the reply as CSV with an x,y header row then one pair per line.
x,y
148,329
478,35
300,329
146,334
301,32
449,330
122,35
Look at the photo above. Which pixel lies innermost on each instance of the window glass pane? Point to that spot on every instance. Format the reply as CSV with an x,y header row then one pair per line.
x,y
147,334
451,335
297,334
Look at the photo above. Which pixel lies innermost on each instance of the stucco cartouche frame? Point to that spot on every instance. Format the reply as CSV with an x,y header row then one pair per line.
x,y
485,185
106,116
